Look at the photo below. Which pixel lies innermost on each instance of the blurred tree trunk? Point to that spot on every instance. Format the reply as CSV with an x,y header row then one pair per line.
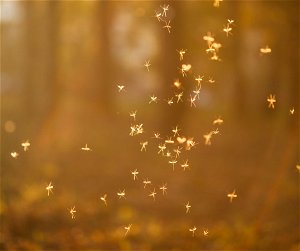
x,y
289,61
104,16
239,93
41,87
173,115
82,74
258,75
254,72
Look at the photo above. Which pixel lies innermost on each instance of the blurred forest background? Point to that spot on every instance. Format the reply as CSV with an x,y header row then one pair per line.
x,y
61,62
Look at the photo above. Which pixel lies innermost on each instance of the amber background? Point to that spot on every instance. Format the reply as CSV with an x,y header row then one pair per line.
x,y
60,64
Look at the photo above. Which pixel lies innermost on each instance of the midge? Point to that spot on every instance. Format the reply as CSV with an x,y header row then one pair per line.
x,y
161,147
72,211
272,100
143,144
232,195
86,148
173,162
187,206
208,38
103,198
265,50
164,188
152,194
199,79
146,182
49,188
193,230
205,232
158,16
167,26
185,165
192,100
184,69
153,99
147,64
165,9
170,101
181,54
14,154
121,88
25,145
121,194
179,97
127,228
227,30
135,173
133,114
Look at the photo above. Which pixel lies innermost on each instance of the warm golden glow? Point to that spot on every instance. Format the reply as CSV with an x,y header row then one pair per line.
x,y
181,140
10,126
107,100
177,84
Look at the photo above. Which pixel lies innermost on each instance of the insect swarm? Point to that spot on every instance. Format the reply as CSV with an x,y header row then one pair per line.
x,y
138,113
